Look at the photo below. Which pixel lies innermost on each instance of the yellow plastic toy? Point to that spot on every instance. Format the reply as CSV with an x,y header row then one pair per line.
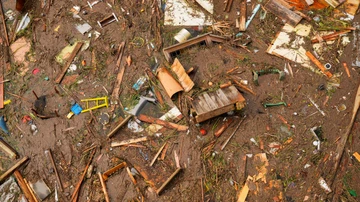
x,y
99,103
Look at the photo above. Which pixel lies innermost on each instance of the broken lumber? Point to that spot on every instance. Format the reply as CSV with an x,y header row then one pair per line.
x,y
68,62
281,9
119,126
157,154
8,149
109,172
242,21
75,194
103,185
330,37
13,168
31,191
166,124
129,141
50,155
245,88
158,191
23,186
318,64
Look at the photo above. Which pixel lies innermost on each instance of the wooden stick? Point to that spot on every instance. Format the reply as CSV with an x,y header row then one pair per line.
x,y
8,149
158,191
346,69
109,172
244,87
237,127
68,62
23,186
103,185
330,36
134,181
13,168
129,141
50,155
242,21
163,153
166,124
74,196
157,154
119,126
31,191
318,64
4,24
341,146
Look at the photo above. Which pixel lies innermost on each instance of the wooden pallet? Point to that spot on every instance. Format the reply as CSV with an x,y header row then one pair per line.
x,y
212,104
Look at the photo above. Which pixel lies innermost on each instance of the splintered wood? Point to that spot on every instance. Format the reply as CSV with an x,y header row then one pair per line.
x,y
212,104
242,22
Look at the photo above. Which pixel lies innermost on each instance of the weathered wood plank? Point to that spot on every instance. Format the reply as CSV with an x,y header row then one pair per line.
x,y
242,21
203,117
279,9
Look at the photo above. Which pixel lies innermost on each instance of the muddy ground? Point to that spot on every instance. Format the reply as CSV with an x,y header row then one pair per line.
x,y
208,173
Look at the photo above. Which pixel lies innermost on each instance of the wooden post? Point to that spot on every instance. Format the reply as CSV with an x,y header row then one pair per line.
x,y
68,62
242,21
23,186
13,168
318,64
103,185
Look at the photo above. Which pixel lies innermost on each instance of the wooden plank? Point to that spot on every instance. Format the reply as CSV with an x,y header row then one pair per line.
x,y
210,102
129,141
244,192
8,149
218,101
198,108
203,117
23,186
242,21
166,124
68,62
204,103
277,8
13,168
223,97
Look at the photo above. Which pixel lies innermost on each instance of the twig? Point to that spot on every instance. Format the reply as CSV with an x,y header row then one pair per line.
x,y
4,24
103,185
157,154
50,155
